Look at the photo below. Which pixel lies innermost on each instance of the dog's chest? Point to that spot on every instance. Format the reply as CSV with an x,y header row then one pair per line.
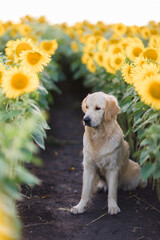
x,y
105,155
104,162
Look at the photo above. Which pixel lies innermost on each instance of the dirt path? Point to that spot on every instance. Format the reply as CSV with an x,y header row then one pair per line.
x,y
43,211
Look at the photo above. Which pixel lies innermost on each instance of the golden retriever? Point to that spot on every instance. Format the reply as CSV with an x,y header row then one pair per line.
x,y
106,160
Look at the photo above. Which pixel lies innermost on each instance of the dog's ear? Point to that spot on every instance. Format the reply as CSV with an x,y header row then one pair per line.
x,y
112,108
84,104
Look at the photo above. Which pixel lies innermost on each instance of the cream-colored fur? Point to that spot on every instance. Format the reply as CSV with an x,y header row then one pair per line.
x,y
105,152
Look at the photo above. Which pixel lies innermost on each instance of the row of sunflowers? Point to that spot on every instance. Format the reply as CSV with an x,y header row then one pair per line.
x,y
28,70
117,59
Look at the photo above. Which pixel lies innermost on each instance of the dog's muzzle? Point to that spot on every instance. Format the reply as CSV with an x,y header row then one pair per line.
x,y
87,121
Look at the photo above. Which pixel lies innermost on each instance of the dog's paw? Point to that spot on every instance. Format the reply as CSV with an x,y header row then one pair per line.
x,y
113,209
77,210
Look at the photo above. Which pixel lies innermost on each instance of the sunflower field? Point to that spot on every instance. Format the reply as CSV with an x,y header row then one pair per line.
x,y
117,59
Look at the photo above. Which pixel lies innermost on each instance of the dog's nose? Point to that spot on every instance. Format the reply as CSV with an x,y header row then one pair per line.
x,y
87,120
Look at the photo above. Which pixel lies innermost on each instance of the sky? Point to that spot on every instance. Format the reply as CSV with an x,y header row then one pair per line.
x,y
129,12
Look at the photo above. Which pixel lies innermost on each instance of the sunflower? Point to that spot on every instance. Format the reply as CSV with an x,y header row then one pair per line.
x,y
91,42
21,45
24,29
97,33
99,58
134,40
102,45
145,72
85,58
2,70
117,60
114,40
102,26
107,64
134,50
127,70
125,43
115,48
140,61
91,66
145,33
70,32
34,60
129,31
152,23
88,52
2,30
18,81
154,42
49,47
9,50
154,31
7,219
150,91
74,46
152,54
42,19
119,29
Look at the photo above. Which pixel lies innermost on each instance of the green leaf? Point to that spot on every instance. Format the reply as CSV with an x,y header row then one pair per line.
x,y
156,173
10,189
39,140
25,176
147,170
4,116
143,157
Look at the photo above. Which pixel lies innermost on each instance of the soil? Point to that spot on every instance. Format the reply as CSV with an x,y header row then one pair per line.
x,y
44,211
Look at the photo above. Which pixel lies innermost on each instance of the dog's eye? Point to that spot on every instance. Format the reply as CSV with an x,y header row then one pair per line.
x,y
97,108
86,106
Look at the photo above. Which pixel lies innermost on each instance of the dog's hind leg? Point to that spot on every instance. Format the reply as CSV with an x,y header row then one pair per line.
x,y
131,177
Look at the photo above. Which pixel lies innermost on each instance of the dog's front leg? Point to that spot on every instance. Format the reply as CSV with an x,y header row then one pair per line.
x,y
88,180
112,179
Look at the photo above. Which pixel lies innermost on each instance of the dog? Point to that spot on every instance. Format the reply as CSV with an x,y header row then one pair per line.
x,y
106,162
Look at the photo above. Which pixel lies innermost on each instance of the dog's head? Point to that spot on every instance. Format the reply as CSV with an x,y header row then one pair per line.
x,y
99,107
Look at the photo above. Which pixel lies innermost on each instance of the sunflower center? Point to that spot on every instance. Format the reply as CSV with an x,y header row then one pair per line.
x,y
150,54
146,34
119,28
47,46
117,50
22,47
142,63
129,70
137,51
90,54
148,74
100,58
19,81
118,61
154,90
33,58
114,41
